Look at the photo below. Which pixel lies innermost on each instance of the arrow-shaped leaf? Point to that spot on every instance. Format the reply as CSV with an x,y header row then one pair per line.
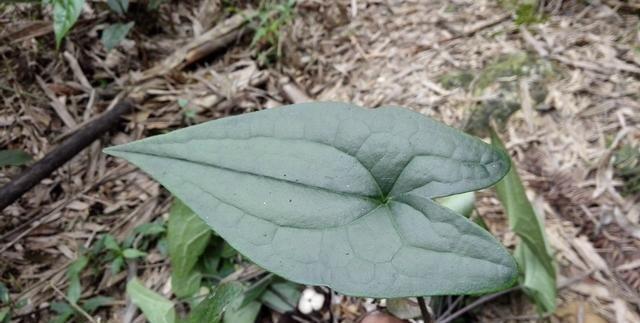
x,y
334,194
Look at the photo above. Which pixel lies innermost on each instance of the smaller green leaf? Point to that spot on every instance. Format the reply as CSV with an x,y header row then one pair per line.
x,y
256,290
155,307
118,6
116,264
183,103
5,314
64,311
527,14
228,251
242,314
13,157
61,307
188,236
111,243
282,297
211,309
538,282
460,203
65,15
92,304
532,254
133,253
154,4
210,258
4,294
113,35
150,229
75,289
163,247
73,273
20,303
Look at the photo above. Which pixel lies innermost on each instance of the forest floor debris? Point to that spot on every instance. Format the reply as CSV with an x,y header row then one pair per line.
x,y
569,83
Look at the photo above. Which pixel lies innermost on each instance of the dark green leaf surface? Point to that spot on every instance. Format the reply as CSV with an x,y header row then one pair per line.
x,y
131,253
114,34
118,6
65,15
532,253
188,237
210,310
92,304
242,314
282,297
334,194
73,273
13,157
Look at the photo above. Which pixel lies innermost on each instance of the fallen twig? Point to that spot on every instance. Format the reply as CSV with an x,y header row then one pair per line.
x,y
292,92
73,304
466,32
216,39
61,154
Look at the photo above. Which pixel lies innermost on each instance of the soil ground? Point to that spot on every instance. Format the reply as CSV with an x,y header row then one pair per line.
x,y
571,83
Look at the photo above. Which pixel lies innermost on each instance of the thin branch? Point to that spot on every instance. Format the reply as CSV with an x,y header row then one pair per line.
x,y
61,154
73,304
426,316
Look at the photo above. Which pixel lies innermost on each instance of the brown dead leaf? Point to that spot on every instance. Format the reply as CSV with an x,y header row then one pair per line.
x,y
378,317
578,312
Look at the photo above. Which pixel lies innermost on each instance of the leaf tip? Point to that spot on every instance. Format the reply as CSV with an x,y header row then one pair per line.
x,y
116,151
113,150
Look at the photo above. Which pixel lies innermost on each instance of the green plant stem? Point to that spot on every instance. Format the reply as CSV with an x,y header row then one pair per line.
x,y
426,317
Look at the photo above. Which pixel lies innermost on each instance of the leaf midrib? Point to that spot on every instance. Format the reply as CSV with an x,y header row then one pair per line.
x,y
279,225
300,184
383,196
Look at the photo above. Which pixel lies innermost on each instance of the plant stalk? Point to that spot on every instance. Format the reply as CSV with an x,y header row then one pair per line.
x,y
426,317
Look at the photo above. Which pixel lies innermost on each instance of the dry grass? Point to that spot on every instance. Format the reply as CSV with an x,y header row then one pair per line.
x,y
389,53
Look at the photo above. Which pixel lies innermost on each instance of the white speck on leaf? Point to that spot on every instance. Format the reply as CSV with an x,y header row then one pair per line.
x,y
310,301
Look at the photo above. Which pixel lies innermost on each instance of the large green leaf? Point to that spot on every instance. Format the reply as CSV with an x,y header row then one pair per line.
x,y
210,310
334,194
156,308
532,254
188,237
65,15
